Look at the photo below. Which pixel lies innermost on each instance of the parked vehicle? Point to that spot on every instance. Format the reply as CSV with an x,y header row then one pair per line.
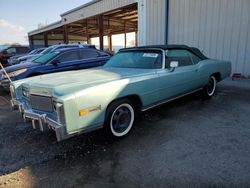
x,y
10,51
3,47
52,48
55,61
110,97
16,59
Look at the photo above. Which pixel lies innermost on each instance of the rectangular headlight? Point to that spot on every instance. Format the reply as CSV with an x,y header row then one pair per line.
x,y
26,92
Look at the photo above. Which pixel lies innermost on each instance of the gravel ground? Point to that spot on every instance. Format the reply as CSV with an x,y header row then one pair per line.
x,y
187,143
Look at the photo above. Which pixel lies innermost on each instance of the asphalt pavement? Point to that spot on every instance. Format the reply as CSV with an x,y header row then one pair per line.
x,y
190,142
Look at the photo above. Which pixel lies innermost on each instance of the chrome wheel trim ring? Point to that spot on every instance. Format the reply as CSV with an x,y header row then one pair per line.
x,y
212,84
131,120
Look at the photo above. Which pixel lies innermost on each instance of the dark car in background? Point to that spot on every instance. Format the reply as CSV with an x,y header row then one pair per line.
x,y
50,49
64,59
15,59
10,51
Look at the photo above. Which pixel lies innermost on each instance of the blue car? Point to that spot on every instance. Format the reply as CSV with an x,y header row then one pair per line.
x,y
15,59
32,57
56,61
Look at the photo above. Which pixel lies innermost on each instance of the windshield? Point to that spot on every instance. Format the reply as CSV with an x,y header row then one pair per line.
x,y
33,52
45,58
47,50
2,48
139,59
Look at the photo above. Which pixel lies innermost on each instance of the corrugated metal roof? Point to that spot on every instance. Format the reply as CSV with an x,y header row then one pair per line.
x,y
87,10
47,27
94,8
80,7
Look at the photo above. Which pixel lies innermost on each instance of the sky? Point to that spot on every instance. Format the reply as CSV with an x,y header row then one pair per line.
x,y
18,17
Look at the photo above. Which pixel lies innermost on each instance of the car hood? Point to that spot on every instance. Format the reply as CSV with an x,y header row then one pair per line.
x,y
20,66
64,83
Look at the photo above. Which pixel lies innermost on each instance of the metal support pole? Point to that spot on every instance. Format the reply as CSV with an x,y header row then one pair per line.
x,y
88,40
101,31
125,40
65,34
31,42
110,43
136,38
45,35
166,25
125,35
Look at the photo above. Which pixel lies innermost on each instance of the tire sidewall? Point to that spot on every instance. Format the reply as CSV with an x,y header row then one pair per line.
x,y
113,107
211,94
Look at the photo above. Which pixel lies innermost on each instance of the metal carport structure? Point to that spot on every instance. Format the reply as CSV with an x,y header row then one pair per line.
x,y
91,20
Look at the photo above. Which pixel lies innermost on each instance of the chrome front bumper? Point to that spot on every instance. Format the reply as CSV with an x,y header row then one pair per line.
x,y
42,122
17,105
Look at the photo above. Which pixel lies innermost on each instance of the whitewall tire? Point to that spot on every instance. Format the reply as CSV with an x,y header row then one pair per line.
x,y
210,88
120,118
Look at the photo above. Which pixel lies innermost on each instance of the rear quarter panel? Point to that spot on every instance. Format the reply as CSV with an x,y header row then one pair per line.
x,y
212,66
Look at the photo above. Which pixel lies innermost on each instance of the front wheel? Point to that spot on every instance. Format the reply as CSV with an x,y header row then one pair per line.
x,y
209,89
120,118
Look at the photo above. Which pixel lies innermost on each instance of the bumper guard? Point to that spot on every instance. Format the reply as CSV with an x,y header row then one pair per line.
x,y
44,123
17,105
40,121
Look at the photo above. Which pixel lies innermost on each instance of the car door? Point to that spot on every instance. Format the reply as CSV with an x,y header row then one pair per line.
x,y
182,80
10,52
6,54
68,60
92,58
22,50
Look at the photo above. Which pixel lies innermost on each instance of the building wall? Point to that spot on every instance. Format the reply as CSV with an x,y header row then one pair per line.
x,y
151,22
220,28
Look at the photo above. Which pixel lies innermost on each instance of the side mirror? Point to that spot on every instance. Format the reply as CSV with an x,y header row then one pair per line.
x,y
55,62
4,52
173,65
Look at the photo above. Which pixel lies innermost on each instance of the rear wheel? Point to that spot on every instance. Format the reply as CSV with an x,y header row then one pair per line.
x,y
120,118
209,89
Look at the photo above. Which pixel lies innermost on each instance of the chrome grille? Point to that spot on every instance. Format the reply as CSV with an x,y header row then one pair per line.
x,y
42,103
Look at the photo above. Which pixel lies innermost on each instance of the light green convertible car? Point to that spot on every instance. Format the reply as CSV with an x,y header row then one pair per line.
x,y
134,80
